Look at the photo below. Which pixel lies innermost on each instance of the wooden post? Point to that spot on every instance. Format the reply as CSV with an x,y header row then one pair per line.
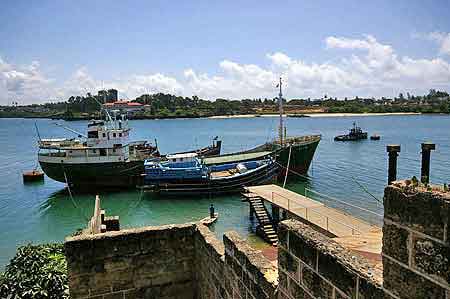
x,y
393,150
96,222
427,147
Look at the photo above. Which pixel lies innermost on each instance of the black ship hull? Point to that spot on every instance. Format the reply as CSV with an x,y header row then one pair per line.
x,y
112,175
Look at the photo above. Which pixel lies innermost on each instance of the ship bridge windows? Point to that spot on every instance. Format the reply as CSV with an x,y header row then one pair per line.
x,y
93,134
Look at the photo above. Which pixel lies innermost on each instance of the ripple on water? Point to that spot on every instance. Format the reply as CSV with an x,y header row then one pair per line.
x,y
44,212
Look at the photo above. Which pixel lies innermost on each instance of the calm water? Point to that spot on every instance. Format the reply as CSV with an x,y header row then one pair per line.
x,y
44,212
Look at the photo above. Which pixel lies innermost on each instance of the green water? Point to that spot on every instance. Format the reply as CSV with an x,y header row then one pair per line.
x,y
44,212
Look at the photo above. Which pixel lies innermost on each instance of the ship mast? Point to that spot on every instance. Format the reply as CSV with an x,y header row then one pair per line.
x,y
280,108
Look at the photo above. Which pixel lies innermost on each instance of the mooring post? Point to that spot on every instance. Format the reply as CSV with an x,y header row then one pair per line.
x,y
393,150
427,147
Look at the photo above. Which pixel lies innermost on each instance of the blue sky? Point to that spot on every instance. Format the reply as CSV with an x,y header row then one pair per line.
x,y
52,49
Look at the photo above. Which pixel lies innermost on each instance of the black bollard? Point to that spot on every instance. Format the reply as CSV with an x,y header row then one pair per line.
x,y
393,150
211,211
427,147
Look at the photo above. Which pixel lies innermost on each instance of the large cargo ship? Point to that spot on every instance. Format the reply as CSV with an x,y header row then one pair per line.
x,y
103,158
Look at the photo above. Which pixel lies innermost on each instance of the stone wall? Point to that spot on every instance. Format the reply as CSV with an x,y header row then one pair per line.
x,y
148,262
416,242
231,269
175,261
311,265
187,261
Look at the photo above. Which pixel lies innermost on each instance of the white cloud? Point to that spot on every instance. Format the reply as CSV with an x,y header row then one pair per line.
x,y
443,39
366,67
18,83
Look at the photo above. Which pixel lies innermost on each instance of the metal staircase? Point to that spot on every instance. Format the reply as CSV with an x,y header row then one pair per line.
x,y
265,228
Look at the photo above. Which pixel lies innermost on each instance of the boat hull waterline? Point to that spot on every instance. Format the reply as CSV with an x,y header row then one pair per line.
x,y
261,175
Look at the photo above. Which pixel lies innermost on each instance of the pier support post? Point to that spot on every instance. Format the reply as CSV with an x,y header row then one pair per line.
x,y
275,214
393,150
250,215
427,147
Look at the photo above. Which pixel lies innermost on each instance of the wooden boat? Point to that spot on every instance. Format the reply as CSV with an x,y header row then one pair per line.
x,y
355,134
104,157
186,174
375,137
295,152
298,115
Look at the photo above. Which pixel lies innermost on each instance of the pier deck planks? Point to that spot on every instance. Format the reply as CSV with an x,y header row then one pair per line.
x,y
351,232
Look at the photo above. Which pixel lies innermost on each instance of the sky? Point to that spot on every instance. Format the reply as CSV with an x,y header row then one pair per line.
x,y
50,50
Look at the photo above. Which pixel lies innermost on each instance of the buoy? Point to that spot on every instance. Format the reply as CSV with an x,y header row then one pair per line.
x,y
32,176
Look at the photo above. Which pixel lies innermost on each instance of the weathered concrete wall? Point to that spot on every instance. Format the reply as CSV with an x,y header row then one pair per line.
x,y
175,261
311,265
148,262
416,242
232,271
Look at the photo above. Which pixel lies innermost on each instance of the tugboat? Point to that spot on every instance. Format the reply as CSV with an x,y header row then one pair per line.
x,y
103,158
187,174
355,134
375,137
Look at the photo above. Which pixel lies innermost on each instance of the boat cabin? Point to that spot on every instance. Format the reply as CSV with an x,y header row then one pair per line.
x,y
99,135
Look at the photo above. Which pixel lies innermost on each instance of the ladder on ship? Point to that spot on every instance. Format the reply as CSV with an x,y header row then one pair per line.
x,y
266,228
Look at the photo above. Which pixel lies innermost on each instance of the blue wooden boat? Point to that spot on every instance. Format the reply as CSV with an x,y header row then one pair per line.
x,y
187,174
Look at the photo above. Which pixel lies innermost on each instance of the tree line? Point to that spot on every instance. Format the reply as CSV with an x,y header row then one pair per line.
x,y
161,105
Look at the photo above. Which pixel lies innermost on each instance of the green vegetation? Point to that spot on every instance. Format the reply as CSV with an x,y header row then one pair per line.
x,y
36,271
162,105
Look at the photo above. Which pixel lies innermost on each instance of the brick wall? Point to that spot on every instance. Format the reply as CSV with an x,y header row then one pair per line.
x,y
311,265
416,242
148,262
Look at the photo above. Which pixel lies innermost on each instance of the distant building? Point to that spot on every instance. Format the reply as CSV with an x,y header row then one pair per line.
x,y
108,96
124,106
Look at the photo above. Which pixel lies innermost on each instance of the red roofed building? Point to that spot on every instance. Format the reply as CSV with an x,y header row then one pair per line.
x,y
123,106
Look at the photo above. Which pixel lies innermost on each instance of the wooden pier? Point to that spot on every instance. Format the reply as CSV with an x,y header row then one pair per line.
x,y
346,229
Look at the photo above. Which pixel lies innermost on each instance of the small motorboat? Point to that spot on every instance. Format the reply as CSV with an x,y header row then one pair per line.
x,y
187,174
355,134
375,137
32,176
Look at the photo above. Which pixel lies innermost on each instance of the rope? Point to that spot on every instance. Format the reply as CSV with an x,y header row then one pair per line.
x,y
367,191
294,172
137,202
128,169
289,161
73,200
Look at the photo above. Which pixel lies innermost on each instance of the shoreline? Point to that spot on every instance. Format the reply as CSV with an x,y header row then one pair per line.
x,y
322,114
297,115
